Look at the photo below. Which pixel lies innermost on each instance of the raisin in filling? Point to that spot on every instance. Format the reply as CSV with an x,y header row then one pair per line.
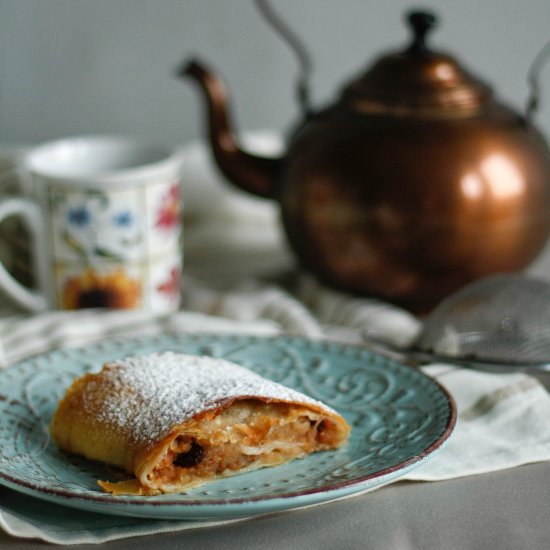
x,y
190,458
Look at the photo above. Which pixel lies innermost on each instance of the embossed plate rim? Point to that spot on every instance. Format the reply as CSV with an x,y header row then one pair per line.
x,y
189,508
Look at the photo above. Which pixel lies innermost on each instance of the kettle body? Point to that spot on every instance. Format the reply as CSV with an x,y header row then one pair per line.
x,y
408,209
416,181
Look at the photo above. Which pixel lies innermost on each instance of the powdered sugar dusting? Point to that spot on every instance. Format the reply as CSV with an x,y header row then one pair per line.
x,y
147,395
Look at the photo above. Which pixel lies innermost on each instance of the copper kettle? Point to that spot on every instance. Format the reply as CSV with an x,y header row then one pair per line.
x,y
415,182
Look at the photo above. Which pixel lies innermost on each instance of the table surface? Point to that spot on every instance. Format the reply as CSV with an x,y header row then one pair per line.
x,y
504,510
509,509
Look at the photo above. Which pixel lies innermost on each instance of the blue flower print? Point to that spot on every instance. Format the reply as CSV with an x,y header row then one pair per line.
x,y
123,219
79,216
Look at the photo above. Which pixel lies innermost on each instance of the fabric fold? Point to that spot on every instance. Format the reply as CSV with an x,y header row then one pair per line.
x,y
502,419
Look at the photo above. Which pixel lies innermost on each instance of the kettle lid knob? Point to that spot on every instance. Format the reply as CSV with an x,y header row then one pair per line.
x,y
417,81
421,23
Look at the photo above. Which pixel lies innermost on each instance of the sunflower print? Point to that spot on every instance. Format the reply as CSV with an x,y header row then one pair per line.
x,y
94,290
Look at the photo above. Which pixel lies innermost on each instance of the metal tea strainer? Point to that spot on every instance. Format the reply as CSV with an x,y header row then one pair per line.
x,y
501,320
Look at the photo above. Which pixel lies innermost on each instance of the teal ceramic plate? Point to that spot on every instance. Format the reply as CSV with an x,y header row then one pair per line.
x,y
399,418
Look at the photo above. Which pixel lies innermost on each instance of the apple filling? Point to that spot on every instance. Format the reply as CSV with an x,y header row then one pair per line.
x,y
248,435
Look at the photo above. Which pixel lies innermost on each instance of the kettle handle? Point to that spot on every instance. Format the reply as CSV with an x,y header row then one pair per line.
x,y
533,100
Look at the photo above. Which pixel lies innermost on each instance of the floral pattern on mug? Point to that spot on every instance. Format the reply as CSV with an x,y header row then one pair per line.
x,y
171,286
118,247
168,214
123,218
91,289
95,224
79,216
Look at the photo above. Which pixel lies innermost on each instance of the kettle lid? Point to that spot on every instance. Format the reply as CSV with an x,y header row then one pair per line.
x,y
417,81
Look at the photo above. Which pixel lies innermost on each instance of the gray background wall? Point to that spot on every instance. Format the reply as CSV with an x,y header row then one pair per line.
x,y
95,66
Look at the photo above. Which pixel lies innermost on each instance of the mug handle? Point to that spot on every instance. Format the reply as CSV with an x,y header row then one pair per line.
x,y
32,217
15,172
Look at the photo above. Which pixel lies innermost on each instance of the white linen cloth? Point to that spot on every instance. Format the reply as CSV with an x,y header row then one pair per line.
x,y
502,419
231,243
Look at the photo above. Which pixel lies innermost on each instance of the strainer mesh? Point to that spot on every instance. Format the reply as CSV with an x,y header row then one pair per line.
x,y
503,318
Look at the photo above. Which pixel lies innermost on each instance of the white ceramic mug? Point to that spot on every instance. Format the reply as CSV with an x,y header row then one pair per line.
x,y
104,214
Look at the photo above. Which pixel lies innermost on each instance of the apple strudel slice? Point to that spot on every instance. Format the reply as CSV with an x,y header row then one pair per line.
x,y
175,421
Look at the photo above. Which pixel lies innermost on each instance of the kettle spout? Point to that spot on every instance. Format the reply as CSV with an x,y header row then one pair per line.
x,y
254,174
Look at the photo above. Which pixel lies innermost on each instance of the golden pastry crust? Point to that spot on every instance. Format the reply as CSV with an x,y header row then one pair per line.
x,y
176,421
